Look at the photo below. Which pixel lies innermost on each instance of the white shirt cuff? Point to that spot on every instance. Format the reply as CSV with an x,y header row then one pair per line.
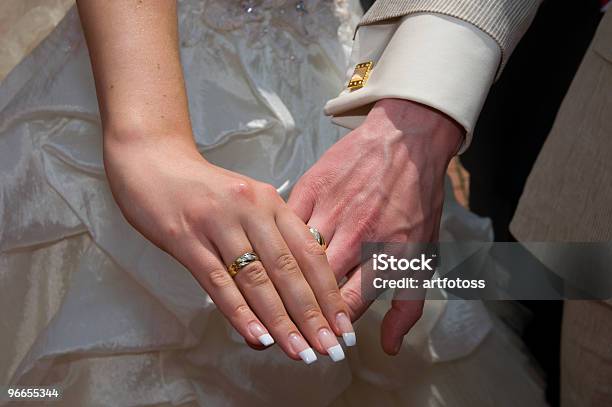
x,y
436,60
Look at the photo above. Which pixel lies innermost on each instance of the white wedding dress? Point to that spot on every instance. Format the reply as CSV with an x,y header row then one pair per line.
x,y
87,304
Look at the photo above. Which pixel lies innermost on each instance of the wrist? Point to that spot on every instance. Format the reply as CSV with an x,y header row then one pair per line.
x,y
143,130
137,142
429,133
129,156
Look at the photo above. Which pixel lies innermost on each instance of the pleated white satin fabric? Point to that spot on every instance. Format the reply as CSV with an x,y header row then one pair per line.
x,y
86,303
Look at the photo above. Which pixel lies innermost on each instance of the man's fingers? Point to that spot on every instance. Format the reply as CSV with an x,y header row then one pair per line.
x,y
397,322
301,202
352,295
343,253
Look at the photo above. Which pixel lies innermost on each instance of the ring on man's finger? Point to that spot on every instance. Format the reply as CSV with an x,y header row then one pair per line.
x,y
318,236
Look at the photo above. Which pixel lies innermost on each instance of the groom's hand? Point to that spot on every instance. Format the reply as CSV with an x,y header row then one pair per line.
x,y
384,182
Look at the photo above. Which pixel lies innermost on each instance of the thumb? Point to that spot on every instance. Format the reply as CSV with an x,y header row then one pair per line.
x,y
400,318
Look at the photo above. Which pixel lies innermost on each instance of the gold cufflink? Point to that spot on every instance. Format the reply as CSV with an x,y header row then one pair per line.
x,y
360,75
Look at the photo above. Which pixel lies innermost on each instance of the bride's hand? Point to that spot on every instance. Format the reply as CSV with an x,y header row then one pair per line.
x,y
383,182
202,215
205,217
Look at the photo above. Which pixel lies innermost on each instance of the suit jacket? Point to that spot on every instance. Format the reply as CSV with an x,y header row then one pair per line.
x,y
568,195
504,20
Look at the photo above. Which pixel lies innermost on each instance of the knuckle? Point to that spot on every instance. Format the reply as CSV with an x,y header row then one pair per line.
x,y
365,226
279,321
352,298
268,189
333,297
305,189
254,274
242,190
313,248
172,230
219,278
269,194
312,313
170,236
286,264
241,311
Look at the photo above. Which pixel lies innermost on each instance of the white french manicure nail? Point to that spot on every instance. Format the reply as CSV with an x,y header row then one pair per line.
x,y
331,345
349,338
266,339
336,353
258,331
308,356
300,346
348,333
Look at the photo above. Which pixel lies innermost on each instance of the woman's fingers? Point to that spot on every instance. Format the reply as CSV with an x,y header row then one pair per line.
x,y
203,261
293,288
260,293
310,256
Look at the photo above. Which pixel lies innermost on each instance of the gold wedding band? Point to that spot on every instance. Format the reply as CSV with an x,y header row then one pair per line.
x,y
241,262
318,236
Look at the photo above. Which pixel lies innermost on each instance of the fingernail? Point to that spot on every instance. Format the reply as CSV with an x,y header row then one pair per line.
x,y
336,353
300,346
308,356
331,345
398,346
261,334
345,326
266,339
